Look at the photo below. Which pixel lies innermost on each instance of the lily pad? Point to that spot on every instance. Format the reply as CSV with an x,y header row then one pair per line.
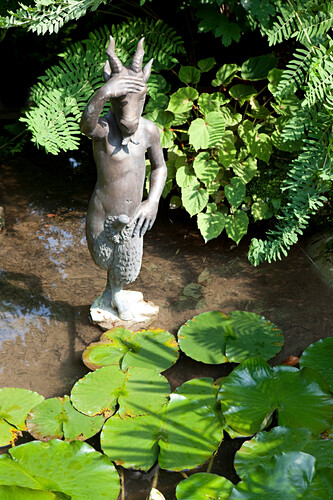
x,y
153,349
214,338
15,405
137,392
204,485
253,391
17,493
168,435
74,469
319,356
286,476
55,418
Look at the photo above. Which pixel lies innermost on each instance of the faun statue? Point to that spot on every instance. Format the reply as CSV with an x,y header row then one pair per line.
x,y
117,218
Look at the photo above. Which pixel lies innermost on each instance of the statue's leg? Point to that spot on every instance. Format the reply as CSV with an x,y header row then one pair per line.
x,y
119,300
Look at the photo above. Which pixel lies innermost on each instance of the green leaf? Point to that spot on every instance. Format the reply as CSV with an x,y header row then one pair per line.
x,y
245,169
211,102
211,223
77,470
194,198
138,391
182,100
185,177
260,210
274,77
163,120
321,486
319,356
18,493
225,74
235,191
257,68
253,391
227,151
206,64
208,132
259,145
152,349
15,405
287,476
142,432
205,168
159,102
170,431
214,338
189,74
55,418
204,485
242,93
265,445
236,225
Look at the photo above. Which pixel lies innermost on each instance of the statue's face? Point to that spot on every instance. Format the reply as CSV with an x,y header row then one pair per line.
x,y
128,110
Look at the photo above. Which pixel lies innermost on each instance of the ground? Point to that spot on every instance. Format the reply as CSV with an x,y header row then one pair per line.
x,y
48,282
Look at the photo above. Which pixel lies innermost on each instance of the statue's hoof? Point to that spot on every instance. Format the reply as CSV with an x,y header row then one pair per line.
x,y
125,315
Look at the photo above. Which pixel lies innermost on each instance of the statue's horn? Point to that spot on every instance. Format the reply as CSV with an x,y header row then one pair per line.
x,y
136,64
114,62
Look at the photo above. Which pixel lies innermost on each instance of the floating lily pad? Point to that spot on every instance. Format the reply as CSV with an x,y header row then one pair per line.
x,y
286,476
319,356
74,469
253,391
204,485
56,418
213,337
168,435
153,349
137,392
15,405
17,493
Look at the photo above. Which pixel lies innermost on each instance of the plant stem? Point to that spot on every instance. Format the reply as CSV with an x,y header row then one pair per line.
x,y
210,465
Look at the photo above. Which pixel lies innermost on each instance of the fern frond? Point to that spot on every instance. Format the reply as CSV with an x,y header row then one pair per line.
x,y
284,26
61,95
311,174
48,17
295,73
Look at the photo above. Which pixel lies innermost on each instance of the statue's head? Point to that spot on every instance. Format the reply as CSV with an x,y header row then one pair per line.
x,y
127,108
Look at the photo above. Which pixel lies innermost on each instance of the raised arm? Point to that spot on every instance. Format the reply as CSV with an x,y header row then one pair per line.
x,y
91,124
146,214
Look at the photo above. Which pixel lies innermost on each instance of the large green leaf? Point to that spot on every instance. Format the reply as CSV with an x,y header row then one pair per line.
x,y
75,469
204,485
210,223
245,169
137,392
189,74
211,102
227,151
242,93
191,406
225,74
235,191
153,349
321,486
55,418
182,100
207,132
265,445
185,177
253,391
259,144
320,357
206,169
18,493
213,337
15,405
194,198
285,476
236,225
257,68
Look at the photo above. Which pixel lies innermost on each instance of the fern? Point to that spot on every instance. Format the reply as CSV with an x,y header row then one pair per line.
x,y
62,93
48,16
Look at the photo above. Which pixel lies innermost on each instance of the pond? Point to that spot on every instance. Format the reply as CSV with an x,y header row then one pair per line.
x,y
48,281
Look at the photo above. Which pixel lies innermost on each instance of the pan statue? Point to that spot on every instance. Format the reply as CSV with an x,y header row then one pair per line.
x,y
117,217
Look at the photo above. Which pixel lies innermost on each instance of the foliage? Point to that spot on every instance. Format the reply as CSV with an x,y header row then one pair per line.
x,y
62,94
146,422
156,349
319,356
215,141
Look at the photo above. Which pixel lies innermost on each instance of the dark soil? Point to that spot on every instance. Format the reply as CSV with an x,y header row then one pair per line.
x,y
48,281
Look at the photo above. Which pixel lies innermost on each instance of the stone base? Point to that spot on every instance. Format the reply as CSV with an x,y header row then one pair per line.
x,y
103,315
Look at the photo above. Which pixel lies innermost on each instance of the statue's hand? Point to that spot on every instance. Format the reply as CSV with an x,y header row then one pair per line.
x,y
145,217
120,85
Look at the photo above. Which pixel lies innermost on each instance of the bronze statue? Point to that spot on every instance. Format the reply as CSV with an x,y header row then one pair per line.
x,y
117,218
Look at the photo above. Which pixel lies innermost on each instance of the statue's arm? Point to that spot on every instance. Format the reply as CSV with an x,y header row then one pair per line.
x,y
91,123
146,214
